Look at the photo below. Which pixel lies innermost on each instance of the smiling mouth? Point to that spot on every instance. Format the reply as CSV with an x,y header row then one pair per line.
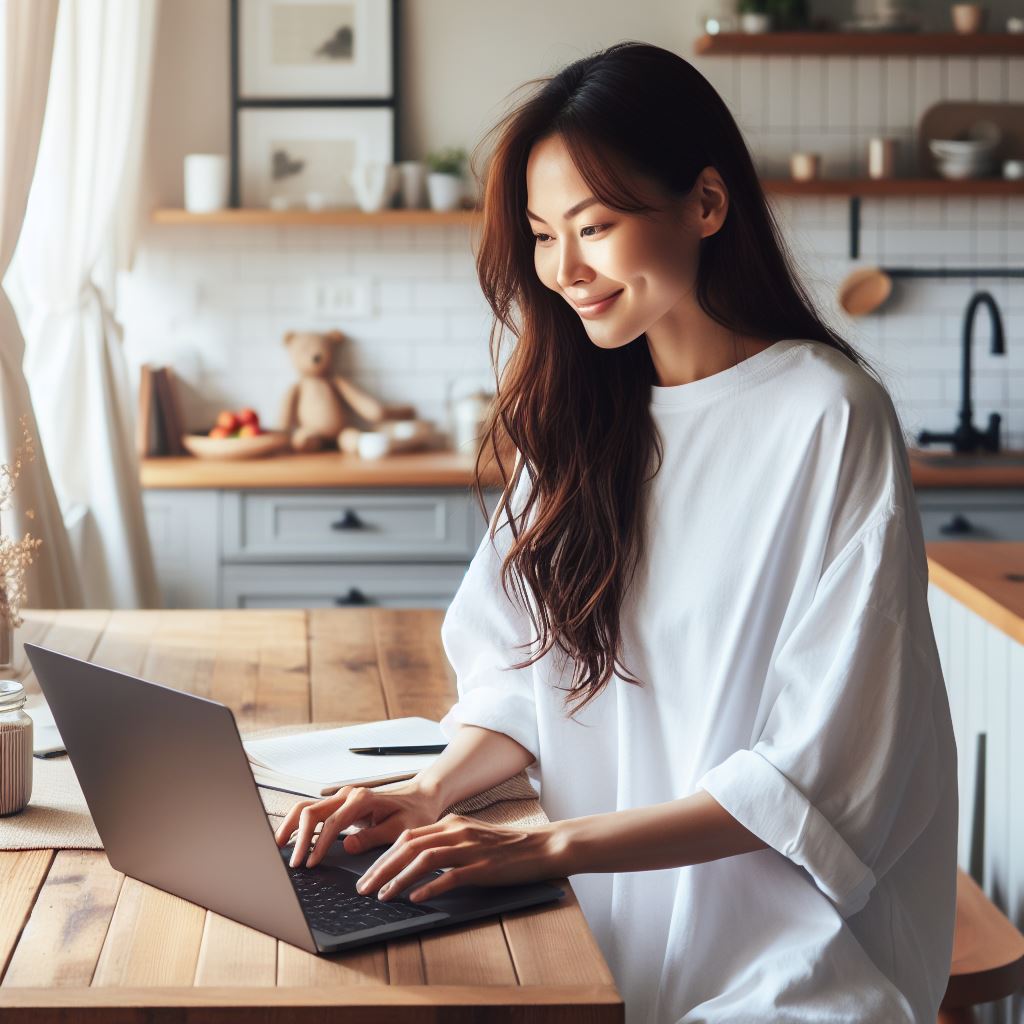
x,y
594,308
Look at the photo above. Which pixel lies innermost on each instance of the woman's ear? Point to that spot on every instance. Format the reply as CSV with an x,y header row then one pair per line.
x,y
712,201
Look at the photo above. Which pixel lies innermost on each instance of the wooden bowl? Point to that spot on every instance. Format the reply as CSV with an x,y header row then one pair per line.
x,y
205,447
864,290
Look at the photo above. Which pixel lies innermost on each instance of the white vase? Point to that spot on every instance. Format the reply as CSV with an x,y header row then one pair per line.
x,y
444,190
206,182
374,183
412,176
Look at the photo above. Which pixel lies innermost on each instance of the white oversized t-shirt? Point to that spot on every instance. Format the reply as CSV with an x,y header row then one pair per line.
x,y
779,620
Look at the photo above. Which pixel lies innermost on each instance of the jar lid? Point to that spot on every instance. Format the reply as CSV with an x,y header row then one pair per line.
x,y
12,694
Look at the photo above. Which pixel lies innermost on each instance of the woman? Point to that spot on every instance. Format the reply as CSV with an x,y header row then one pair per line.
x,y
710,491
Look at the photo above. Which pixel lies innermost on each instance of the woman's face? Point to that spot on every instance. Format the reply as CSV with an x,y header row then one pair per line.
x,y
586,254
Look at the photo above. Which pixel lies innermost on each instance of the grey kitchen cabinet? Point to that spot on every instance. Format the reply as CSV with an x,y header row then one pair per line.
x,y
344,585
184,533
963,513
259,548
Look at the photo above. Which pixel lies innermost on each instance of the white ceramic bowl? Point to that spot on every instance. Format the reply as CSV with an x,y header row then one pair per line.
x,y
959,171
977,162
962,147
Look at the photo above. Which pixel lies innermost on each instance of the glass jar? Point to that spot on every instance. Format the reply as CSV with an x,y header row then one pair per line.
x,y
15,748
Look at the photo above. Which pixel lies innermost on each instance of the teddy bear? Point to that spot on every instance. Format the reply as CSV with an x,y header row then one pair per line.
x,y
317,409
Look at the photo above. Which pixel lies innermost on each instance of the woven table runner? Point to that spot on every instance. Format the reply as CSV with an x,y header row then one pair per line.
x,y
57,816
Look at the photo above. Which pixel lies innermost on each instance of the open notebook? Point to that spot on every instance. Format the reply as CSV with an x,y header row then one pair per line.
x,y
318,763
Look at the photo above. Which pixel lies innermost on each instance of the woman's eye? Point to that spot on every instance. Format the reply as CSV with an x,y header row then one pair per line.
x,y
590,227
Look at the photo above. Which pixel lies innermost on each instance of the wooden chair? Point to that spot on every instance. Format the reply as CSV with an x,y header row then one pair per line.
x,y
988,955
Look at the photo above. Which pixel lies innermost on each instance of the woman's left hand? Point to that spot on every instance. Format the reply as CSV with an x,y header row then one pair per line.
x,y
477,853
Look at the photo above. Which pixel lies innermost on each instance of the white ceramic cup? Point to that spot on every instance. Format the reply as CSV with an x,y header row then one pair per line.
x,y
805,166
881,158
206,182
373,444
968,18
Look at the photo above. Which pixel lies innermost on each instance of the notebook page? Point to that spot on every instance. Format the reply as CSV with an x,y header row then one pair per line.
x,y
323,756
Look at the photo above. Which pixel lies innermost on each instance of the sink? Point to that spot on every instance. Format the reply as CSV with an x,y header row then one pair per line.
x,y
956,460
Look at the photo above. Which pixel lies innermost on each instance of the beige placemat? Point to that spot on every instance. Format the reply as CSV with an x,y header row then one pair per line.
x,y
57,815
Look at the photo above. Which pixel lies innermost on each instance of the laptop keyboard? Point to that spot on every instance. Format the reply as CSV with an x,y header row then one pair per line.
x,y
335,909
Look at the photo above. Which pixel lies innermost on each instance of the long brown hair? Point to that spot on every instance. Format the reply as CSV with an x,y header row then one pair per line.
x,y
579,415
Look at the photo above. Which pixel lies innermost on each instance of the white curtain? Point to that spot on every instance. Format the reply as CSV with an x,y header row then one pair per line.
x,y
28,38
82,197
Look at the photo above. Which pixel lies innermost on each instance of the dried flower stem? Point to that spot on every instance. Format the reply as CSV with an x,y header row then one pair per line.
x,y
15,555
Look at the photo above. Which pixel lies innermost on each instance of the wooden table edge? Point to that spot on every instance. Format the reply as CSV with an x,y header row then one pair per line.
x,y
375,995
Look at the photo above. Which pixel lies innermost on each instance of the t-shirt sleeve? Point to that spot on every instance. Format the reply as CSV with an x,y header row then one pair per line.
x,y
851,760
481,634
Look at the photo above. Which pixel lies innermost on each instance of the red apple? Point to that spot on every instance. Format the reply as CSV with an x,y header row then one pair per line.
x,y
218,432
228,420
248,416
248,430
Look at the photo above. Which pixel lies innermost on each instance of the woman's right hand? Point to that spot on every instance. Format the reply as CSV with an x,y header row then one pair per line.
x,y
383,813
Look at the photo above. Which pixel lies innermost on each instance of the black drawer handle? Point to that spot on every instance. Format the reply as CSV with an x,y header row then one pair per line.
x,y
349,521
354,597
958,524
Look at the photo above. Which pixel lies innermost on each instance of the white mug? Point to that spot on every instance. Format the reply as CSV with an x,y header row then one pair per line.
x,y
206,182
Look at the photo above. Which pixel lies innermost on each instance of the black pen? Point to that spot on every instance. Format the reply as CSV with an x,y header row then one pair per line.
x,y
429,748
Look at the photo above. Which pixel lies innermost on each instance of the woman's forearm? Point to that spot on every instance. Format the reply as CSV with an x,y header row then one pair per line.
x,y
688,831
474,760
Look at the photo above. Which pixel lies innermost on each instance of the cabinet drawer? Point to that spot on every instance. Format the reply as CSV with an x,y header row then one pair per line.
x,y
348,525
341,586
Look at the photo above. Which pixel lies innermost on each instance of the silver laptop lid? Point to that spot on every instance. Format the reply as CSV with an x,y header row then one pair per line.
x,y
171,792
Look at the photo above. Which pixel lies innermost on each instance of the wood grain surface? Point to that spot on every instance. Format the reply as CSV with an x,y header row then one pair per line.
x,y
79,941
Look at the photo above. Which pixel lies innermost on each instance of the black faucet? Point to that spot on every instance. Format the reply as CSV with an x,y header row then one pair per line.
x,y
966,437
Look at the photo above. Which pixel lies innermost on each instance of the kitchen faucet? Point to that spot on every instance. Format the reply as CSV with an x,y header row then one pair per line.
x,y
966,437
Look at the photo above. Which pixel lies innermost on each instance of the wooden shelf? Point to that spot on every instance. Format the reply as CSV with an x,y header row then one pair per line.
x,y
862,44
253,216
933,187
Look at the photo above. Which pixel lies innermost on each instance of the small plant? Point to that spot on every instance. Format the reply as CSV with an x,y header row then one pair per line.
x,y
753,6
446,161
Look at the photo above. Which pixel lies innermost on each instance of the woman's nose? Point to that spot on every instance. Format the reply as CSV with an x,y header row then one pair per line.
x,y
571,270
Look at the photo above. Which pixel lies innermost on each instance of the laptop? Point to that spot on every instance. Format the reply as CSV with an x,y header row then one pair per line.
x,y
170,789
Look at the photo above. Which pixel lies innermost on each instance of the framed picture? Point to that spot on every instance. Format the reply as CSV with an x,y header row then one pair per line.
x,y
316,49
291,152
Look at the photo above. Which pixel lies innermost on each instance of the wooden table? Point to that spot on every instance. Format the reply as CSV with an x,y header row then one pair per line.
x,y
80,942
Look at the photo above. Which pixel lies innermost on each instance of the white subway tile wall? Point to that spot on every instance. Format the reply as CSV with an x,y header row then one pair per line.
x,y
215,302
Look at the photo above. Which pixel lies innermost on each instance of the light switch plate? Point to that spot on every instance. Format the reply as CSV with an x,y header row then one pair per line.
x,y
348,297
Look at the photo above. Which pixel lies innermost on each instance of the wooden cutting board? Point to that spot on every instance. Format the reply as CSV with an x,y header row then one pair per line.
x,y
950,120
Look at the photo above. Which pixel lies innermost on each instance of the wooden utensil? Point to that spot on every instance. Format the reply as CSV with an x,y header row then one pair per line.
x,y
864,290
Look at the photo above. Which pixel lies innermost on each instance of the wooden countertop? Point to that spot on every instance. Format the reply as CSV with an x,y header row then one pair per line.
x,y
319,469
445,469
952,474
986,576
80,941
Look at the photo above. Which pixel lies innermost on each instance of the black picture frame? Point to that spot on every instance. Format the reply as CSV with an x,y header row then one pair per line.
x,y
238,102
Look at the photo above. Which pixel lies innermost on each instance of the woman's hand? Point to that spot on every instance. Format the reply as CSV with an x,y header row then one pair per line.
x,y
475,853
383,814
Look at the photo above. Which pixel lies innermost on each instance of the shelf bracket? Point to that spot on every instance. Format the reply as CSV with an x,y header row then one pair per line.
x,y
854,227
954,271
923,271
